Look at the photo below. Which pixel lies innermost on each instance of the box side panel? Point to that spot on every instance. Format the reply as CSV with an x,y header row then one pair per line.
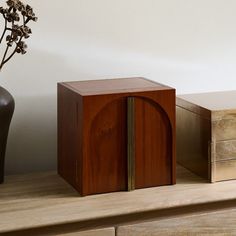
x,y
193,141
79,143
172,106
70,136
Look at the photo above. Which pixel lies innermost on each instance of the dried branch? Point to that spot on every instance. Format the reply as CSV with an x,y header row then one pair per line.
x,y
14,13
4,31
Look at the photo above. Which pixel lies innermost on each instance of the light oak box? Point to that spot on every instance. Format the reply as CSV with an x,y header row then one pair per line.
x,y
116,135
206,134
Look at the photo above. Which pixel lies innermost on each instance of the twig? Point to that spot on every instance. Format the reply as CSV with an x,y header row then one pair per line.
x,y
19,15
2,62
4,31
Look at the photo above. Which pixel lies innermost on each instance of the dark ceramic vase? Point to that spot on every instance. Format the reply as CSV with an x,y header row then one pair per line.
x,y
7,106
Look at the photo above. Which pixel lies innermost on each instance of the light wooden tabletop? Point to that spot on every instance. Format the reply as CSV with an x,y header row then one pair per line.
x,y
37,200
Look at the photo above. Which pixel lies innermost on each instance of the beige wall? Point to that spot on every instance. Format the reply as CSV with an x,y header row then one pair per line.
x,y
188,44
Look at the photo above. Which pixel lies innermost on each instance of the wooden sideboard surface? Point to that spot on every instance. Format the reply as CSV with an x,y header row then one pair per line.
x,y
42,204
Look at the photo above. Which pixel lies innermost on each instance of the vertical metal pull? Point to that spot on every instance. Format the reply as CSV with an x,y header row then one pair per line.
x,y
131,142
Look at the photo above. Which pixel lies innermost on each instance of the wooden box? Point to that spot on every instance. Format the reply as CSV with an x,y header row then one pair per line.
x,y
116,134
206,134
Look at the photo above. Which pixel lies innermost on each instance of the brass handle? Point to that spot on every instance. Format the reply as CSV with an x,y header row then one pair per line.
x,y
131,142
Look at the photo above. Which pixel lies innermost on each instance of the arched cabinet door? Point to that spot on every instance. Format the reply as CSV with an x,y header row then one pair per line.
x,y
107,160
153,144
109,164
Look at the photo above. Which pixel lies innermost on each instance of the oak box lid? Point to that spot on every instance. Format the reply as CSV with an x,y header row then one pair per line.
x,y
206,103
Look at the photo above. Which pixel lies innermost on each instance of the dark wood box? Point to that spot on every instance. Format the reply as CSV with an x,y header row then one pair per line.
x,y
116,135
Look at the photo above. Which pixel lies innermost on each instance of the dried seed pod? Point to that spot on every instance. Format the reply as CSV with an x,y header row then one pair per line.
x,y
16,15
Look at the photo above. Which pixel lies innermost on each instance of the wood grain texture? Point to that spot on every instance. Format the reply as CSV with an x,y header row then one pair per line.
x,y
224,170
225,150
153,145
35,201
112,86
213,101
70,136
162,119
192,107
193,137
223,125
95,232
220,223
107,144
96,148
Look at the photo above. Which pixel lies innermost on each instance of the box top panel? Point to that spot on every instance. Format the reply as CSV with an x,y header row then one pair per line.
x,y
213,101
95,87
